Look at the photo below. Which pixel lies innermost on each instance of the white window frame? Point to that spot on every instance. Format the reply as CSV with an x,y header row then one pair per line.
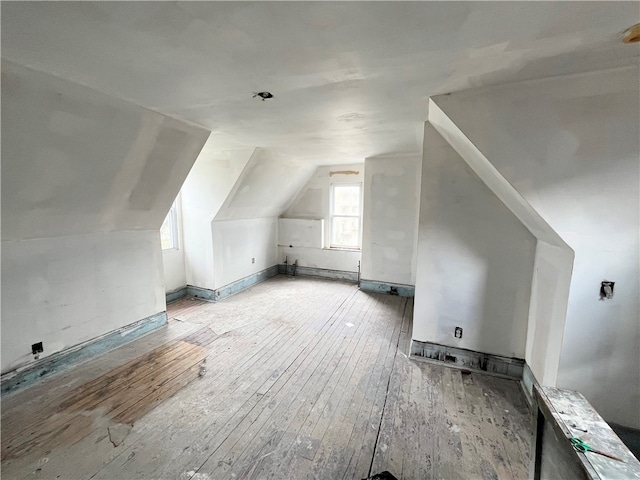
x,y
332,216
172,216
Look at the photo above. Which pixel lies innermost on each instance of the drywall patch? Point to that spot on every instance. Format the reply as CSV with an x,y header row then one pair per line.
x,y
460,357
344,172
24,377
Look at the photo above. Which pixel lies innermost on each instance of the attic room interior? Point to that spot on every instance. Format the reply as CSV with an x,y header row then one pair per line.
x,y
320,240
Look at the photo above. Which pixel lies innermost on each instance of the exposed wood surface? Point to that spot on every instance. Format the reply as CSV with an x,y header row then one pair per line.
x,y
305,378
564,414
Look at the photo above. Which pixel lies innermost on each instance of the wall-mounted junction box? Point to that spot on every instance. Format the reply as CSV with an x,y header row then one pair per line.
x,y
606,289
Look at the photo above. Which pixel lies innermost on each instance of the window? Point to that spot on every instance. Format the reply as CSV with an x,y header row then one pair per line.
x,y
345,215
169,229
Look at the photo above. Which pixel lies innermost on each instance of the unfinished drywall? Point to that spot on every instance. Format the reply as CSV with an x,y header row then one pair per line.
x,y
548,303
205,190
313,202
570,146
475,259
350,79
86,183
230,208
266,187
76,161
245,229
65,290
390,218
550,286
301,232
243,247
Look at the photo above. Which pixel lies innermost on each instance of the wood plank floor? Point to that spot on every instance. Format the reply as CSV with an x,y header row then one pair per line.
x,y
295,378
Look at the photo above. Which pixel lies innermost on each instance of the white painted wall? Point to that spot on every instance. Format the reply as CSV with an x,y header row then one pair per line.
x,y
230,209
66,290
313,202
570,146
266,187
237,242
326,258
86,183
475,259
207,186
390,218
246,226
76,161
553,265
173,258
550,286
301,232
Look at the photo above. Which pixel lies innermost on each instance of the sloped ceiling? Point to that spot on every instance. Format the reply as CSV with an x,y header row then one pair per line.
x,y
350,79
76,161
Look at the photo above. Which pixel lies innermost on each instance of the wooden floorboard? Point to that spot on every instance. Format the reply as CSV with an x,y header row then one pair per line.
x,y
295,378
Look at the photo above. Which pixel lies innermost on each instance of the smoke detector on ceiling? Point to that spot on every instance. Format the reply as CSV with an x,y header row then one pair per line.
x,y
632,35
263,95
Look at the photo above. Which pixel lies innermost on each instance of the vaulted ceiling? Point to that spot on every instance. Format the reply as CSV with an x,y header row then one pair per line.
x,y
350,79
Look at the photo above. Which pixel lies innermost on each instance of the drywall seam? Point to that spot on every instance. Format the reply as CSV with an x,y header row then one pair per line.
x,y
492,177
236,185
7,58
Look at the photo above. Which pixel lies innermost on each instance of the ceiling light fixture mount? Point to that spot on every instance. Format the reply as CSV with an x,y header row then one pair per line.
x,y
263,95
632,35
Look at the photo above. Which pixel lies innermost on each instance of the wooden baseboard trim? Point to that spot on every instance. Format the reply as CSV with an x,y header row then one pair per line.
x,y
59,361
318,272
468,359
232,288
390,288
527,383
176,294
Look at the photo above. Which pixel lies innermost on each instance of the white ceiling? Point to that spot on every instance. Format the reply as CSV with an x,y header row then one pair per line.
x,y
350,79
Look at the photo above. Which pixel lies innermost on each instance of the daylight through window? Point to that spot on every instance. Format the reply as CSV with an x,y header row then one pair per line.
x,y
345,215
169,229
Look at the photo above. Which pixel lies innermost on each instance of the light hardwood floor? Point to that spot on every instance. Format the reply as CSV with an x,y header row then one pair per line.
x,y
305,378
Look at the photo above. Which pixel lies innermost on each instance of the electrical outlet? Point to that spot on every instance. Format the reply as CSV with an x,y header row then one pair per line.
x,y
253,260
37,348
457,332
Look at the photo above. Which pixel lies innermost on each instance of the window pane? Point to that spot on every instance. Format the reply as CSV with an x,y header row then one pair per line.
x,y
346,200
345,231
166,239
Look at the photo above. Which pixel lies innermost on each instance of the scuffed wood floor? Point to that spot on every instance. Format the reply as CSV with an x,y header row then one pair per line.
x,y
305,378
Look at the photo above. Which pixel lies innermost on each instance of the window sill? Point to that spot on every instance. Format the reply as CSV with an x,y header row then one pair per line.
x,y
343,249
